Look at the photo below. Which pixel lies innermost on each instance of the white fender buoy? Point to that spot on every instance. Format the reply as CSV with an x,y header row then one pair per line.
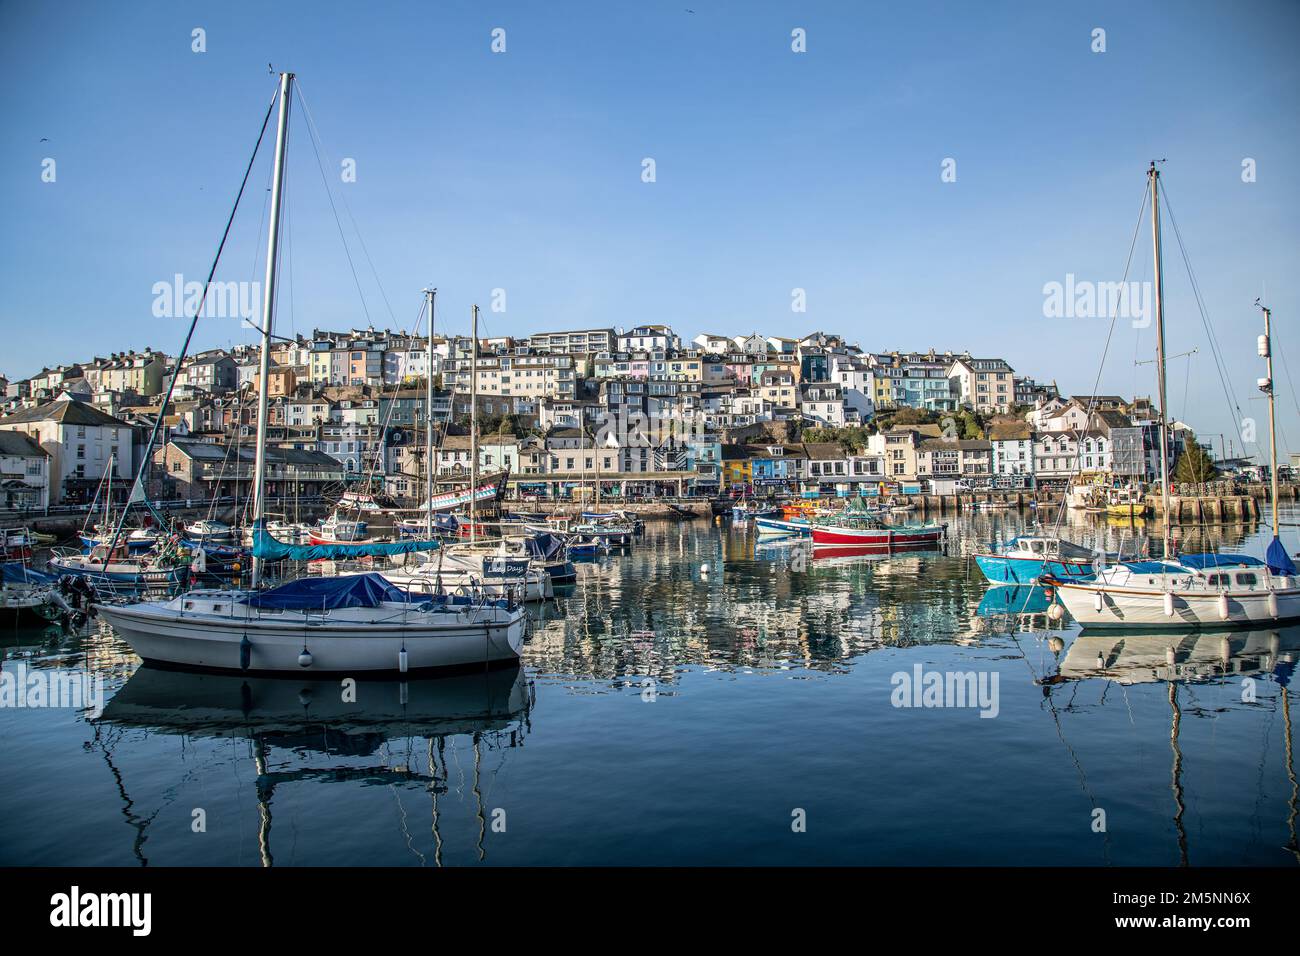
x,y
704,570
304,659
1098,599
402,662
1170,655
1225,610
1169,604
1055,612
1272,604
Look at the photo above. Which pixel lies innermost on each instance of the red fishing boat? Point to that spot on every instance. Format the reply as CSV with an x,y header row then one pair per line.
x,y
870,533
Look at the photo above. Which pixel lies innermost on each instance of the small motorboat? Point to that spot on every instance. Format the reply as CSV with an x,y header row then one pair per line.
x,y
586,547
28,593
209,530
1027,558
335,529
780,526
122,568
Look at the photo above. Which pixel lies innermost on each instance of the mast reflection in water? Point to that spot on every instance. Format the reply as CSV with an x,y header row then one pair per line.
x,y
372,733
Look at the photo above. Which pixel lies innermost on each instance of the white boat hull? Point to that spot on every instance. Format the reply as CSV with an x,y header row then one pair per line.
x,y
535,587
1141,608
341,641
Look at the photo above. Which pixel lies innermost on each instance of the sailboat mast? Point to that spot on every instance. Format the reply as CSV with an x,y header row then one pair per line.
x,y
473,422
428,423
268,309
1153,175
1266,347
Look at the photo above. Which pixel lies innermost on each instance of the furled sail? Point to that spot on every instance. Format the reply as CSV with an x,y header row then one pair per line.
x,y
268,548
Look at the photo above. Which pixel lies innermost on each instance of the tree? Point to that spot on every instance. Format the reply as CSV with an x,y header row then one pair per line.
x,y
1194,465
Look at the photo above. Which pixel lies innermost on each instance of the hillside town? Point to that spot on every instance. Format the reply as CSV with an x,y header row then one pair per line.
x,y
639,410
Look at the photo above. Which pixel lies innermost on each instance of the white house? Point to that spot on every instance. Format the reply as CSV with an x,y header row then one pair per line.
x,y
1013,448
81,441
24,472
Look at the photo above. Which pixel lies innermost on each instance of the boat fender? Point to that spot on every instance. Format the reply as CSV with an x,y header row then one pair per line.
x,y
403,663
1225,610
1169,604
1055,612
1272,605
1171,656
1054,643
245,653
1098,599
704,570
304,659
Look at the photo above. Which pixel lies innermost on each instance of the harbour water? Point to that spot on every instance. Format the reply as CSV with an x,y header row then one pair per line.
x,y
757,712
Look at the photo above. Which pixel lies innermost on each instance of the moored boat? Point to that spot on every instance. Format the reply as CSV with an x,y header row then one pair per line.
x,y
860,531
331,625
781,526
1027,558
1191,591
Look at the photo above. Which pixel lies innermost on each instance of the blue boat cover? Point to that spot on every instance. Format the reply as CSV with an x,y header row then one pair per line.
x,y
1279,562
266,547
21,574
1203,561
1154,567
327,594
544,546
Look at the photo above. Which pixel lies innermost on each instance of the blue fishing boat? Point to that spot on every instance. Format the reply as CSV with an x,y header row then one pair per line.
x,y
781,526
1028,557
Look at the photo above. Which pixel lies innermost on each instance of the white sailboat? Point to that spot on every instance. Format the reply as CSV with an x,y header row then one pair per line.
x,y
346,625
1191,590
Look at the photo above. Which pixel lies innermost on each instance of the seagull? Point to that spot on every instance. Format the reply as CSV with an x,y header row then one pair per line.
x,y
45,139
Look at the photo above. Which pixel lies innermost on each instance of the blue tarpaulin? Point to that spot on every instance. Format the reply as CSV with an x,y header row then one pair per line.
x,y
328,594
266,547
21,574
1279,562
1202,562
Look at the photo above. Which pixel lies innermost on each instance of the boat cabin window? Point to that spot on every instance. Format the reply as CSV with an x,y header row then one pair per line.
x,y
1217,580
1036,547
1247,580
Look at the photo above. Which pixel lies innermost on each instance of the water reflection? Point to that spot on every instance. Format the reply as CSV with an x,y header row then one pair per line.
x,y
1261,662
290,724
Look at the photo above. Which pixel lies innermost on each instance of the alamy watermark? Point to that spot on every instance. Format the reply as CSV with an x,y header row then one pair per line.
x,y
179,299
922,688
24,686
1084,299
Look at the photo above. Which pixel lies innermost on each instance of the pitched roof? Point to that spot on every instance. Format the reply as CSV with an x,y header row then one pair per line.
x,y
66,412
824,450
18,445
1009,431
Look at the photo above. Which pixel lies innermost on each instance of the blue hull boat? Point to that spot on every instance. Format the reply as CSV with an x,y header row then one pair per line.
x,y
780,526
1028,558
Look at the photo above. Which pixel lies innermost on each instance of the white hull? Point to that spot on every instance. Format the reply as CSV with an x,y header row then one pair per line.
x,y
1145,608
206,629
535,586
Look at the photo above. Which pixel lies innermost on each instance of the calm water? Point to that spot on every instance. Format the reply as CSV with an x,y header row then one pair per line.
x,y
665,715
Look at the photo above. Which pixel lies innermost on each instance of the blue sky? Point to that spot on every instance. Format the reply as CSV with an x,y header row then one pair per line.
x,y
775,171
